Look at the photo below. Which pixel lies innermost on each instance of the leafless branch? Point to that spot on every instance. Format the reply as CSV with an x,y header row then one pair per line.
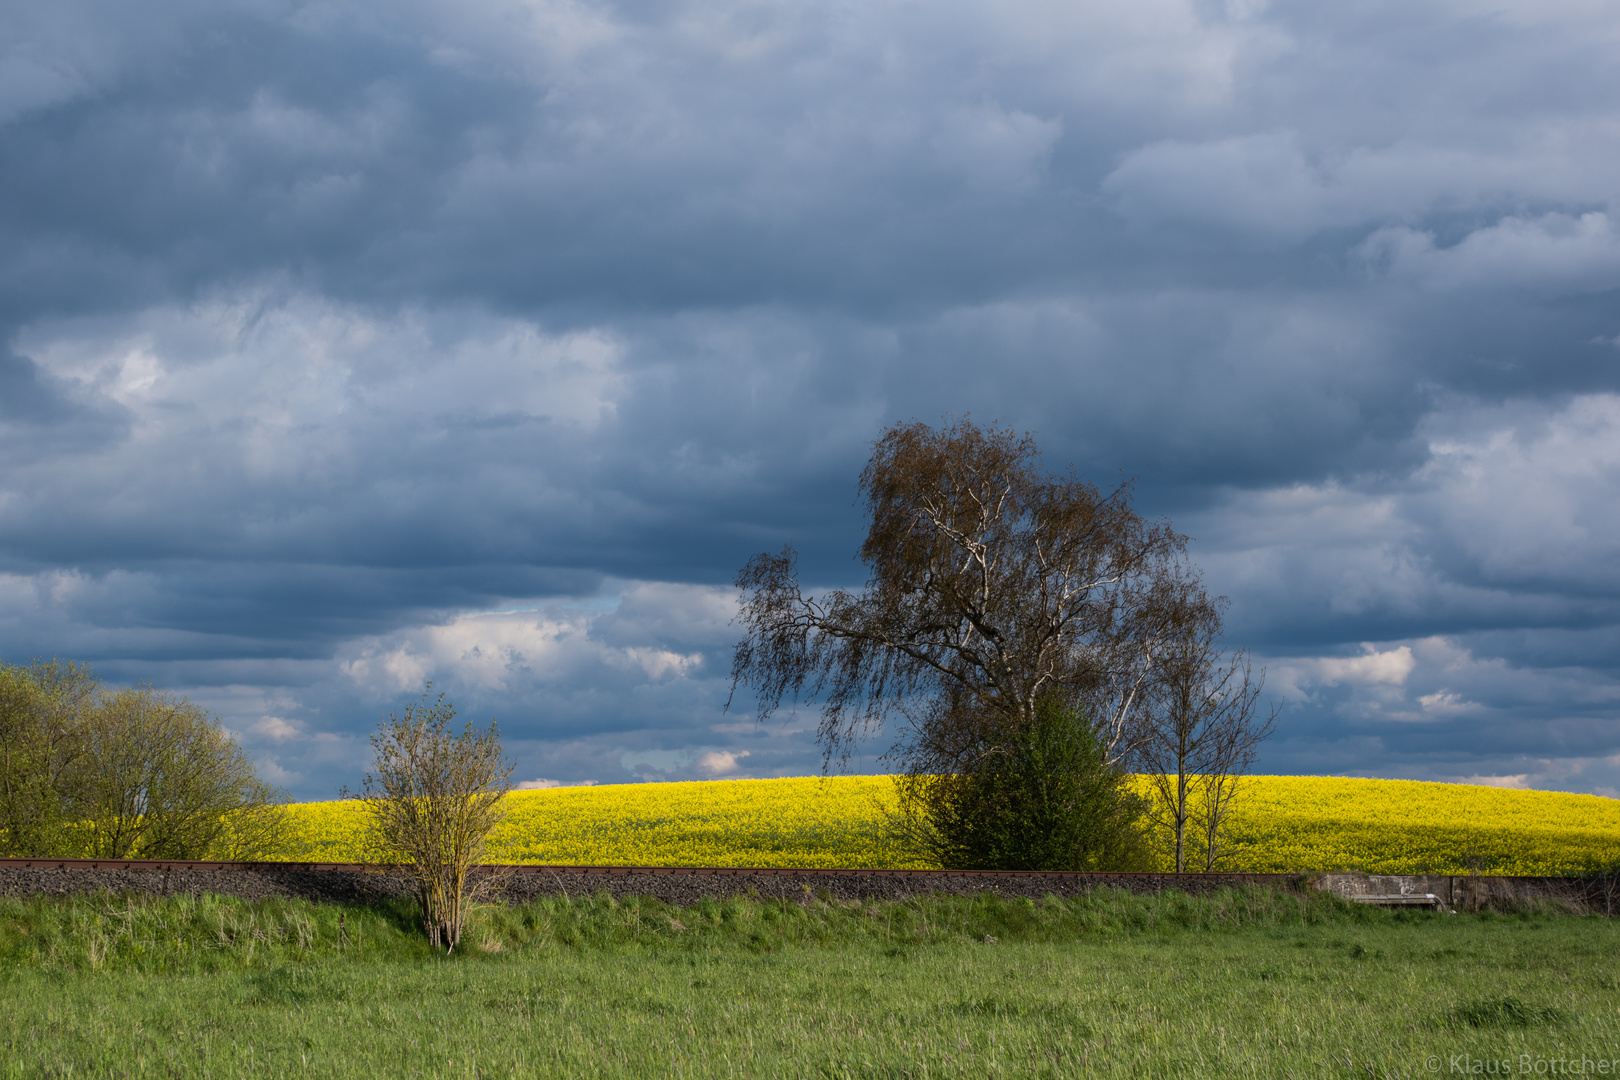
x,y
992,586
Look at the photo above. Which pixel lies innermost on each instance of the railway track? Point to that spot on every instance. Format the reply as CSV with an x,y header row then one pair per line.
x,y
1098,876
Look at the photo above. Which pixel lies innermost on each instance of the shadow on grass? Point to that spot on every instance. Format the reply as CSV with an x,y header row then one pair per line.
x,y
181,934
1507,1012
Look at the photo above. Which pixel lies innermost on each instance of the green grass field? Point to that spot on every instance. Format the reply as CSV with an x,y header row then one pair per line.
x,y
1245,983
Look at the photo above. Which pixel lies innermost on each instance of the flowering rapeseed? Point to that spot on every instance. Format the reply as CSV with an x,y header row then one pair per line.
x,y
1287,823
325,832
804,821
807,821
1280,823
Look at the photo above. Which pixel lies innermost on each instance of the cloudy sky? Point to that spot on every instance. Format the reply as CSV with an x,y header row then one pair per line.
x,y
348,344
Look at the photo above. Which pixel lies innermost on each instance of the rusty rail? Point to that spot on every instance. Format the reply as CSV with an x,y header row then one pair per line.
x,y
529,868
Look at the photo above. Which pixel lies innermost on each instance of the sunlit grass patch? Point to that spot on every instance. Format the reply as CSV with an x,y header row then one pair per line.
x,y
1247,983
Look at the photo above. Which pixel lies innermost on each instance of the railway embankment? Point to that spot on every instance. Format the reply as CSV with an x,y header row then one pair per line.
x,y
355,883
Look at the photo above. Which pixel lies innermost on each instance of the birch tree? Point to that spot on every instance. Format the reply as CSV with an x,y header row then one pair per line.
x,y
1203,727
993,587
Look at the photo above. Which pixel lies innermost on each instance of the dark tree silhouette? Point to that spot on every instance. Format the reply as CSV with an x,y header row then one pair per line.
x,y
994,587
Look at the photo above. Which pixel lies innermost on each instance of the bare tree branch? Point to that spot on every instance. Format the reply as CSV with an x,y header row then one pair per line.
x,y
992,587
1203,728
433,801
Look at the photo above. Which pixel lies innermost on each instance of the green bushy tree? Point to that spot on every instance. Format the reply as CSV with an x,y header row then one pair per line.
x,y
1043,798
120,774
158,778
42,710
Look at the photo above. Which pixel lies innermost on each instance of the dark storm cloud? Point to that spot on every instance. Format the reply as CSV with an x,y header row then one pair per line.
x,y
343,335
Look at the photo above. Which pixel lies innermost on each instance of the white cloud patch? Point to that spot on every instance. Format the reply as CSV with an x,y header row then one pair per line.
x,y
276,729
506,652
1444,703
1517,506
284,367
721,762
1553,252
1519,782
1526,493
1389,668
1591,775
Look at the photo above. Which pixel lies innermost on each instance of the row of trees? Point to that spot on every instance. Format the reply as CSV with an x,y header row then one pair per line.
x,y
1036,640
122,773
92,772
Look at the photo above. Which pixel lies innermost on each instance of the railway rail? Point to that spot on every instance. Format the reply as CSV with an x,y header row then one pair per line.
x,y
192,865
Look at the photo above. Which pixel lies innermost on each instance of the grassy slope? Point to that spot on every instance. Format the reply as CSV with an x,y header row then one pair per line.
x,y
1108,985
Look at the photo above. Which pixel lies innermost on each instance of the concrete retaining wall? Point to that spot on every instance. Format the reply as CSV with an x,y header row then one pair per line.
x,y
1599,894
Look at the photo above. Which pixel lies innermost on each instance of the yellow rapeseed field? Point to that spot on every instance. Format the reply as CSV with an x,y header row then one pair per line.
x,y
1287,823
802,821
1281,824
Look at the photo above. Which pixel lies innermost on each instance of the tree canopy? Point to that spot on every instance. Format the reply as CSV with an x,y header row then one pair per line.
x,y
993,586
118,774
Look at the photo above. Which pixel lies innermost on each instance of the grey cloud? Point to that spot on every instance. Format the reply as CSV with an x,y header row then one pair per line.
x,y
333,329
1496,551
1554,253
1454,714
628,686
1506,523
